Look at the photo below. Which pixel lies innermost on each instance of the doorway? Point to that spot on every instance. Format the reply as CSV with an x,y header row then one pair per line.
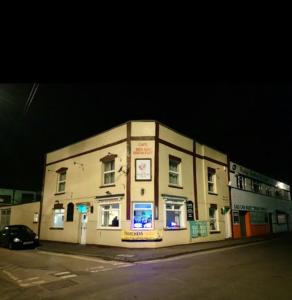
x,y
271,222
83,228
242,223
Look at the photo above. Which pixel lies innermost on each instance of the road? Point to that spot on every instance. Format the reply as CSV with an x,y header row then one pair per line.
x,y
255,271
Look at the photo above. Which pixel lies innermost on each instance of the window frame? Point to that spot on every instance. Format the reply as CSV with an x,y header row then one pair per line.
x,y
213,182
101,210
62,213
140,209
177,173
182,216
59,181
215,207
111,171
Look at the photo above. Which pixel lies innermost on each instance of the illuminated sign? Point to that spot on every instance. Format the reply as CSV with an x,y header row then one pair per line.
x,y
141,235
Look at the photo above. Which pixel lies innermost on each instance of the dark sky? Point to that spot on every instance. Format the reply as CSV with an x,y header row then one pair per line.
x,y
250,121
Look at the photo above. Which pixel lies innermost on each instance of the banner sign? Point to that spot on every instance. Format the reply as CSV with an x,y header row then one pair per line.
x,y
141,235
190,211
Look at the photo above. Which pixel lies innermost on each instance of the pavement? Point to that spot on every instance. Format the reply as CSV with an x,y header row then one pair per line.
x,y
134,255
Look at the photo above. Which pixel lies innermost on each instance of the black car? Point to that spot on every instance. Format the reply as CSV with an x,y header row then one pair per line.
x,y
18,236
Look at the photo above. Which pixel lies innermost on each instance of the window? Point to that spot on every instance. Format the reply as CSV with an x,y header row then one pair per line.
x,y
174,215
35,217
213,217
70,212
240,182
58,221
110,215
61,181
143,215
236,217
211,180
109,172
256,186
174,170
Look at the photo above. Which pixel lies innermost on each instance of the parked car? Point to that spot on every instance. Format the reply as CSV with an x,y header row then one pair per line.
x,y
18,236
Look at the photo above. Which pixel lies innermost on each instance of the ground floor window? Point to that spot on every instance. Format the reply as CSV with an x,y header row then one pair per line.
x,y
236,217
174,215
58,219
142,215
110,215
213,217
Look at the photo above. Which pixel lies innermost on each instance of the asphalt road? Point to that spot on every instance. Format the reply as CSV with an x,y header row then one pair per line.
x,y
255,271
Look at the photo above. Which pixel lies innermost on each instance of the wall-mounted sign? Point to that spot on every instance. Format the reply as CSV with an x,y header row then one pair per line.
x,y
143,169
199,228
190,211
143,149
141,235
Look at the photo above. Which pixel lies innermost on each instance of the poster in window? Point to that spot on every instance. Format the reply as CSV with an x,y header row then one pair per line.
x,y
143,169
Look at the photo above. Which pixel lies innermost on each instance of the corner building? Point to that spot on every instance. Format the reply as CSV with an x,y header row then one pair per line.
x,y
140,185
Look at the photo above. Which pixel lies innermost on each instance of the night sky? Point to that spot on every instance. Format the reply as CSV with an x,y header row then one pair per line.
x,y
250,121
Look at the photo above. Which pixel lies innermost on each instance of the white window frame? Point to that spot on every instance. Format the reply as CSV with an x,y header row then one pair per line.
x,y
213,181
108,172
61,181
182,211
177,173
108,201
139,209
216,220
111,210
61,212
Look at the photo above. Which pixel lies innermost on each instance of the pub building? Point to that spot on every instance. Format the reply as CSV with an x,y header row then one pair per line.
x,y
140,184
260,205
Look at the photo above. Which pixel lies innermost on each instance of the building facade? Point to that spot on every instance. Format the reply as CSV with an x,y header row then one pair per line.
x,y
19,207
260,205
140,185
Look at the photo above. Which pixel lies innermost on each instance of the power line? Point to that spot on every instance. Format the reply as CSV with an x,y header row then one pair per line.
x,y
30,97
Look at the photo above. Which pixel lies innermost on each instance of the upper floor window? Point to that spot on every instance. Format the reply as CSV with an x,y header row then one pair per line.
x,y
240,182
212,180
174,170
108,169
61,184
256,186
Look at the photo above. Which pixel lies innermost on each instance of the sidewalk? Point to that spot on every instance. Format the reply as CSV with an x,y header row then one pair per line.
x,y
134,255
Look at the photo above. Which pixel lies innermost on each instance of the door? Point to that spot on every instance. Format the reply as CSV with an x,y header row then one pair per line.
x,y
83,228
228,224
242,223
271,222
5,217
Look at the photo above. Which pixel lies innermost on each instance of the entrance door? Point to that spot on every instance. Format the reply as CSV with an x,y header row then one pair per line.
x,y
271,222
242,223
83,228
228,224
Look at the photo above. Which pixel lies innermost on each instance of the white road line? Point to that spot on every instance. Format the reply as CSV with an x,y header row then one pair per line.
x,y
61,273
111,262
94,268
32,283
68,276
28,279
101,270
10,275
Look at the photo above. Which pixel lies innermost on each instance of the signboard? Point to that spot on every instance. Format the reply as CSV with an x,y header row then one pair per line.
x,y
143,169
143,149
141,235
199,228
190,210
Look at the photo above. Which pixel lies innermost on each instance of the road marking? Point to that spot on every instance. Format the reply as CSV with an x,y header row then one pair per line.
x,y
10,275
61,273
68,276
102,270
32,283
27,279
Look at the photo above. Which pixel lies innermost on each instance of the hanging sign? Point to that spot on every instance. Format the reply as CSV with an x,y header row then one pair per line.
x,y
190,211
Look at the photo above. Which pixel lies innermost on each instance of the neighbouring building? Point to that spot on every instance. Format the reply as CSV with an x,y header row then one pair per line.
x,y
260,205
19,207
140,184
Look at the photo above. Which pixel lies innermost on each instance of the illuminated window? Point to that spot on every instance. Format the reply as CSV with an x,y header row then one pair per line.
x,y
58,218
109,172
174,170
213,217
174,215
211,180
110,215
61,181
143,215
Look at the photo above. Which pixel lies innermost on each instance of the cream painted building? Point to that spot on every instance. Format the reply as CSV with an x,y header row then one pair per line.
x,y
140,185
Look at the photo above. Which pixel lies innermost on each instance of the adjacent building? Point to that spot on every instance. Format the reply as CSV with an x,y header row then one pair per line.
x,y
140,184
19,207
260,205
